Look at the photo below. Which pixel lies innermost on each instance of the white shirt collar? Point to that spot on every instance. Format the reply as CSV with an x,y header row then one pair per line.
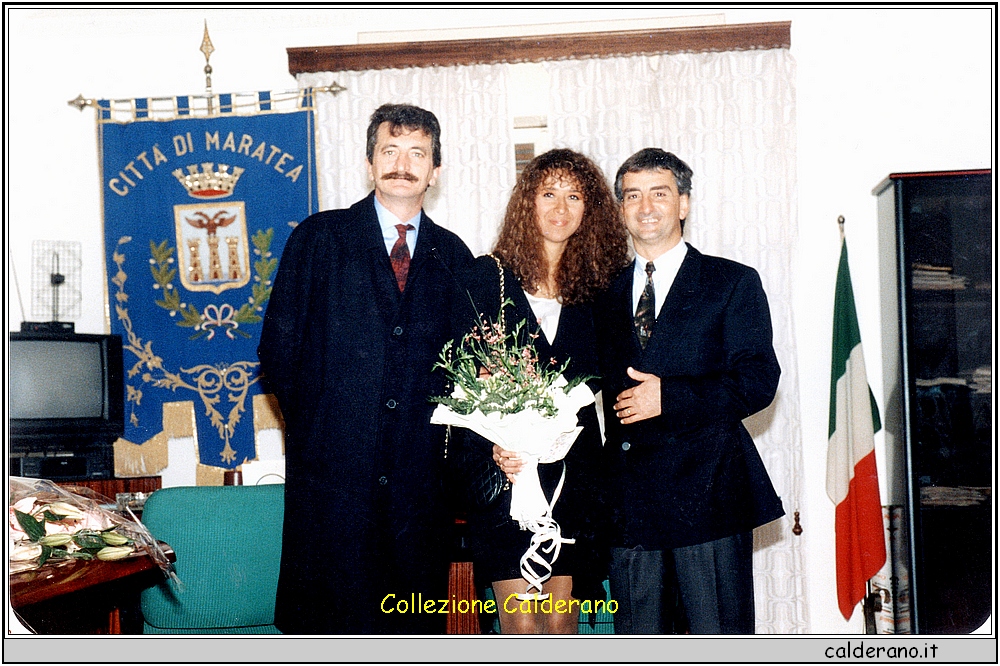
x,y
666,267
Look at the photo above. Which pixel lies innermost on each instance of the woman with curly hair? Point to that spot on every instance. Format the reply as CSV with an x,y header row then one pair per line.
x,y
562,240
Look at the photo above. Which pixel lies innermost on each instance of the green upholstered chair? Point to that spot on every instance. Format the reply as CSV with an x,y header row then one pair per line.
x,y
228,545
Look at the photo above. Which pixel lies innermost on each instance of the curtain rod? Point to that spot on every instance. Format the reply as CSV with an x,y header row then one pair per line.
x,y
534,48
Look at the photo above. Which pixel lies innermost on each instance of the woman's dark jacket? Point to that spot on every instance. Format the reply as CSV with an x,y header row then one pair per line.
x,y
579,509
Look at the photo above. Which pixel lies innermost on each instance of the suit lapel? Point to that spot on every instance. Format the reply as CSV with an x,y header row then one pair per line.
x,y
426,243
522,311
383,280
622,310
674,313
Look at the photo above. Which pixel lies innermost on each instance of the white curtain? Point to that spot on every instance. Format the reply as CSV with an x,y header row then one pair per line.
x,y
731,117
477,149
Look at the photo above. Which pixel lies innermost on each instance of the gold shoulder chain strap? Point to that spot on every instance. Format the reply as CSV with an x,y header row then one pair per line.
x,y
503,295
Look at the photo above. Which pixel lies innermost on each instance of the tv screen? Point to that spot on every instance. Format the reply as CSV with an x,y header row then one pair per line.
x,y
65,387
56,380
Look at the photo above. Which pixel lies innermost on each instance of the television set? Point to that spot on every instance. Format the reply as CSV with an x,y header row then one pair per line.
x,y
66,403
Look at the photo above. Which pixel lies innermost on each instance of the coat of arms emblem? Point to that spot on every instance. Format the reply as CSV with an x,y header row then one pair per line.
x,y
213,248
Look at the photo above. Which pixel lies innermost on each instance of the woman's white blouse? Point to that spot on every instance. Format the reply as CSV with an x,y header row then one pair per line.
x,y
547,312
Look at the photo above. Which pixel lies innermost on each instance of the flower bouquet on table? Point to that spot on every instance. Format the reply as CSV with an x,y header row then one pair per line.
x,y
49,524
506,394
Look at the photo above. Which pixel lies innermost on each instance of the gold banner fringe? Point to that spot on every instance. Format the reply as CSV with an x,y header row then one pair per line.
x,y
178,419
150,458
147,459
208,475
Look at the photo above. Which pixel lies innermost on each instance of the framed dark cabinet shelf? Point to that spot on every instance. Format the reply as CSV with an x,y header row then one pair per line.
x,y
936,266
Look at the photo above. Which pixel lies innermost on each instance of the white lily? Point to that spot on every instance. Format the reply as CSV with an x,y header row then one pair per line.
x,y
65,509
25,551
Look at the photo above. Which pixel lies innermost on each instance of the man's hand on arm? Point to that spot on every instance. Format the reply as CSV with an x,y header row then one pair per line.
x,y
639,402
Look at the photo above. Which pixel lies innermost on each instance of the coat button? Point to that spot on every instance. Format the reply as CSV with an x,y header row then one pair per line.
x,y
382,480
397,331
391,404
626,446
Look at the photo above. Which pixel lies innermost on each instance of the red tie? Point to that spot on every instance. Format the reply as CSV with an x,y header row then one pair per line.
x,y
400,255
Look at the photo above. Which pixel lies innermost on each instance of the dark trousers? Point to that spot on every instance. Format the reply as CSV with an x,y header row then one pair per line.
x,y
713,582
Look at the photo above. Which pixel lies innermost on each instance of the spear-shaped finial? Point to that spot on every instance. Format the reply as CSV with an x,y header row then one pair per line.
x,y
207,49
82,102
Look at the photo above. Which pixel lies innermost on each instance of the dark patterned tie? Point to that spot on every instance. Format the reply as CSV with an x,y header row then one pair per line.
x,y
400,255
645,313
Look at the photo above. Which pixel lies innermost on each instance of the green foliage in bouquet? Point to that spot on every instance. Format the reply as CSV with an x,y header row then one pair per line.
x,y
494,371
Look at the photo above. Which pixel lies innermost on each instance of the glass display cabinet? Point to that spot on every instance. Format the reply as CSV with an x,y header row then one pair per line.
x,y
936,267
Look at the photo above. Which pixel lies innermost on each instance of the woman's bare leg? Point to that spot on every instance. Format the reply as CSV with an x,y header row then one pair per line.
x,y
539,618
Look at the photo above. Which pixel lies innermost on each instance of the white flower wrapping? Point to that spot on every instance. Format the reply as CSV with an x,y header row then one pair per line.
x,y
538,439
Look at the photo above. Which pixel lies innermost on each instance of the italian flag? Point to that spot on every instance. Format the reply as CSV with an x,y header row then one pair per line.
x,y
851,477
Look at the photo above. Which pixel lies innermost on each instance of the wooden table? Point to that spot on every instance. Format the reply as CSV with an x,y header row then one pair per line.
x,y
85,596
111,487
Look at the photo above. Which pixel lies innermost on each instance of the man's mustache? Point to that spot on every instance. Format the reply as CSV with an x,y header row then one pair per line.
x,y
400,175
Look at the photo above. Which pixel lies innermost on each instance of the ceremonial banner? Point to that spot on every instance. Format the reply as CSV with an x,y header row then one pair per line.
x,y
200,195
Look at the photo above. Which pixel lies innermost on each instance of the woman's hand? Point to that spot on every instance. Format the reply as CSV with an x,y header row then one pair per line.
x,y
509,462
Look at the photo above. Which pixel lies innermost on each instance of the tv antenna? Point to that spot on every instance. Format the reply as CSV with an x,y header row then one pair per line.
x,y
55,282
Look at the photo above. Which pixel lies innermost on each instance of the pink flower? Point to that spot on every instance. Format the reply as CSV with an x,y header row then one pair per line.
x,y
62,527
16,533
95,521
90,521
25,504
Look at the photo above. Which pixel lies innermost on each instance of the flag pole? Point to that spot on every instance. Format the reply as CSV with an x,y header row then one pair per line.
x,y
871,605
852,477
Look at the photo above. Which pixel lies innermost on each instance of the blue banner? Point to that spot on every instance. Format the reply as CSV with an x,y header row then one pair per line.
x,y
196,213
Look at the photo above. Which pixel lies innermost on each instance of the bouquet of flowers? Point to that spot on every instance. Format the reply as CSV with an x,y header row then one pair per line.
x,y
48,524
506,394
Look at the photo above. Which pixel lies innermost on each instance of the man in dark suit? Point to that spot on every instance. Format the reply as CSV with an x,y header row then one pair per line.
x,y
685,347
363,302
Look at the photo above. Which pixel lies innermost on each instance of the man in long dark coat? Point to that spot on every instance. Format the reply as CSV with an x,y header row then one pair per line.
x,y
361,307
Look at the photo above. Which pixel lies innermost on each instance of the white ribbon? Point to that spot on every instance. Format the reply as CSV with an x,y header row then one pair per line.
x,y
219,316
537,438
545,530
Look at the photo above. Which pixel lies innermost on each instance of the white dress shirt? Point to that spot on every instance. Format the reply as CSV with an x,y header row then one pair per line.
x,y
667,265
